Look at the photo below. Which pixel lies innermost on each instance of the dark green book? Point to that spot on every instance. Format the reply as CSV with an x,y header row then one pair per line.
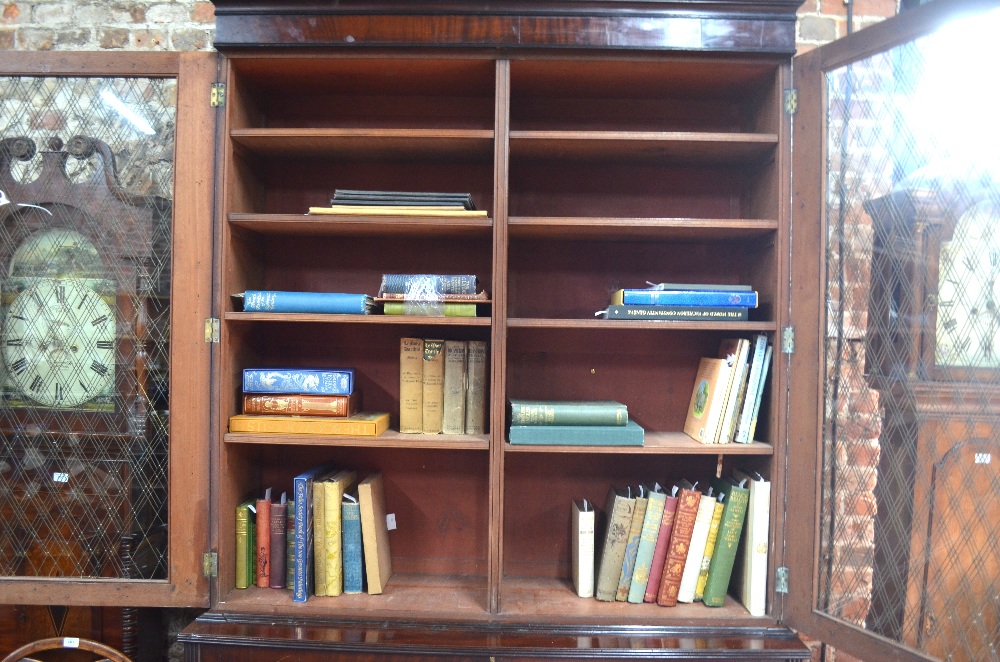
x,y
567,412
720,570
630,434
246,535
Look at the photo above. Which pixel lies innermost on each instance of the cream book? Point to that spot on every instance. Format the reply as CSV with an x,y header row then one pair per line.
x,y
583,523
433,386
735,351
708,398
696,550
455,365
751,562
411,385
374,532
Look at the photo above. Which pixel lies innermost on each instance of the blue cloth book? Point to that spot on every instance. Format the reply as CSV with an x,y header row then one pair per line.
x,y
630,434
302,486
333,381
274,301
351,548
720,298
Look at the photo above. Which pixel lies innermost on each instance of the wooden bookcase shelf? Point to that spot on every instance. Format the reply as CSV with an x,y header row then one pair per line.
x,y
388,439
364,144
656,443
625,229
363,226
641,146
316,318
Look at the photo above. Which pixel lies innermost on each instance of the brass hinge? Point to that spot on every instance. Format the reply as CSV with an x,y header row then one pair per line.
x,y
211,329
791,101
781,580
210,564
788,340
218,95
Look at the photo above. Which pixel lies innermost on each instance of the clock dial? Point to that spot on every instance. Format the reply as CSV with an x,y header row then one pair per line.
x,y
968,316
59,343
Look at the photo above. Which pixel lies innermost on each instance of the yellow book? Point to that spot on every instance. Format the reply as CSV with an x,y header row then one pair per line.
x,y
433,372
713,535
332,555
411,385
319,533
364,424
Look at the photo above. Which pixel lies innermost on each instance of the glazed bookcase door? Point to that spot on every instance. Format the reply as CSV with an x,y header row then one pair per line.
x,y
904,423
105,229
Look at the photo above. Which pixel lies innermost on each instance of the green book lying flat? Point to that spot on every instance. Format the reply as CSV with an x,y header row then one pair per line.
x,y
630,434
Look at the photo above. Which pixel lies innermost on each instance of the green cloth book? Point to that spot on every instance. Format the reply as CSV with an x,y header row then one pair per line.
x,y
731,526
567,412
246,535
630,434
429,308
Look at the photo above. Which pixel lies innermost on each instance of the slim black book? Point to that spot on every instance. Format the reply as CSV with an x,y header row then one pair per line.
x,y
416,198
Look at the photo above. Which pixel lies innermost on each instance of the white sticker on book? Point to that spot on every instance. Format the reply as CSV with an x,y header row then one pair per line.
x,y
390,521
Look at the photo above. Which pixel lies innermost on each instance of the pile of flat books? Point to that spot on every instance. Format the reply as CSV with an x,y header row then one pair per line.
x,y
399,203
682,302
434,295
572,423
305,401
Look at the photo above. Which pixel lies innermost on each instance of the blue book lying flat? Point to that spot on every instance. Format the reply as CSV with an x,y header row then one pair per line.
x,y
336,381
274,301
630,434
720,298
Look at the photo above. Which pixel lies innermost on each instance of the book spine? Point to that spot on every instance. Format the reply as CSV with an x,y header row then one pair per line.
x,y
352,551
760,394
680,537
567,413
411,389
263,543
713,534
374,532
727,432
433,386
717,298
345,427
660,551
278,564
455,363
319,583
677,313
582,551
290,545
271,301
418,285
243,549
720,569
321,382
631,434
753,380
429,308
475,393
619,521
631,547
735,350
753,587
300,493
696,549
647,545
303,405
333,530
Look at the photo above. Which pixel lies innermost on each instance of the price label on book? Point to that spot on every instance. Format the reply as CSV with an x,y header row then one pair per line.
x,y
390,521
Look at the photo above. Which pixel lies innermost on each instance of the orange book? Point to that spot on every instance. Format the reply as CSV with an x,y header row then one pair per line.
x,y
264,540
688,501
302,404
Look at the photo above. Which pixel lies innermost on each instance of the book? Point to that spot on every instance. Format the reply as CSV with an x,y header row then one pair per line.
x,y
692,297
720,569
411,385
751,556
567,412
319,532
760,393
364,424
429,308
632,543
696,548
662,543
350,515
651,522
618,521
290,544
302,492
246,542
699,286
433,385
753,381
395,210
676,313
275,301
582,547
455,366
421,286
263,509
630,434
278,563
704,412
735,351
706,559
303,405
688,500
334,381
333,497
374,532
409,197
475,392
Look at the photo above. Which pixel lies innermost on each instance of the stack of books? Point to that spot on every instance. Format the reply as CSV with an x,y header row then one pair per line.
x,y
572,422
682,302
442,386
674,545
305,401
436,295
399,203
728,389
342,548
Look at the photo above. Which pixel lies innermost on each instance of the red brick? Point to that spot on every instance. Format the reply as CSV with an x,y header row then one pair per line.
x,y
11,12
203,12
6,40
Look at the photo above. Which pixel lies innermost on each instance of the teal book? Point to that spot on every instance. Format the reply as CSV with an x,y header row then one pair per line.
x,y
352,550
734,512
630,434
276,301
567,412
647,543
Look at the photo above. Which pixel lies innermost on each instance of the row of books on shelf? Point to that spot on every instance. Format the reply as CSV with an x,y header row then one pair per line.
x,y
331,538
572,422
442,386
305,401
683,544
728,389
693,302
